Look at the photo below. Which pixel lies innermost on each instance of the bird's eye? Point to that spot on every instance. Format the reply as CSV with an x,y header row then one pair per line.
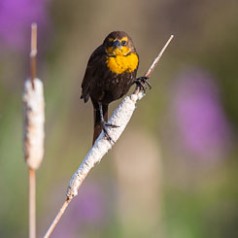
x,y
123,42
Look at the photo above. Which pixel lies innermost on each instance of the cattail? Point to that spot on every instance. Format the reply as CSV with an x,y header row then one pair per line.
x,y
33,123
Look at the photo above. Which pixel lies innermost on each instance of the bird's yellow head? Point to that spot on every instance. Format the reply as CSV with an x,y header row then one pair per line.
x,y
121,52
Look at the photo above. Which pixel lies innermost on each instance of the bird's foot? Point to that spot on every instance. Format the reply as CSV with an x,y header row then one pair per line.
x,y
105,125
104,128
142,82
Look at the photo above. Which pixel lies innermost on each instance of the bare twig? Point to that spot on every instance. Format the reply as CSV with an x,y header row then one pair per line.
x,y
156,60
57,218
32,203
32,174
121,116
33,52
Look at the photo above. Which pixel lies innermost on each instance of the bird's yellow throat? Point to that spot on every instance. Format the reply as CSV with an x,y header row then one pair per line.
x,y
123,63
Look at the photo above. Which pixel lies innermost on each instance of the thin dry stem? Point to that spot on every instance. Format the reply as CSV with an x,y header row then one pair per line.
x,y
87,163
156,60
154,63
57,218
32,177
33,52
32,203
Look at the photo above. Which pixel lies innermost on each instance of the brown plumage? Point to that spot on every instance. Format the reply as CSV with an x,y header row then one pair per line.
x,y
110,72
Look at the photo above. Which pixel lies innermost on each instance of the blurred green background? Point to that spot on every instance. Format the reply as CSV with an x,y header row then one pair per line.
x,y
173,173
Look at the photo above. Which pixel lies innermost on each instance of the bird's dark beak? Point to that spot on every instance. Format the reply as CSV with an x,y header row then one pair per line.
x,y
116,43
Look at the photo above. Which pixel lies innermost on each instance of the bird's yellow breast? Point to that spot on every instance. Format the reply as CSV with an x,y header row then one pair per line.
x,y
120,63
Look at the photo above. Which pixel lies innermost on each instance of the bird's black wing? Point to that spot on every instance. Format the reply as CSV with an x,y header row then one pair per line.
x,y
94,65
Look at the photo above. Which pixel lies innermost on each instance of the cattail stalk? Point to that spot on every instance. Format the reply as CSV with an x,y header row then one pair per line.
x,y
34,117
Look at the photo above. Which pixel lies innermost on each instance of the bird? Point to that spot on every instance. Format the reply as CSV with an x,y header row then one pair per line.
x,y
111,71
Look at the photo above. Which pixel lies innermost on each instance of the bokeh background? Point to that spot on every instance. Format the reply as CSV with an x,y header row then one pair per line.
x,y
174,171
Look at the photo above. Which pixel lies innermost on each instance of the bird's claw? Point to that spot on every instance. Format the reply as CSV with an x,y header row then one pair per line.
x,y
142,82
104,127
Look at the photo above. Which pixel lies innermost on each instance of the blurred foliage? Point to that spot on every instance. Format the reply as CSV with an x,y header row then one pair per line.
x,y
194,194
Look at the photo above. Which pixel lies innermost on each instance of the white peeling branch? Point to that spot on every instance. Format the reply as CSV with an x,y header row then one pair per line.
x,y
120,117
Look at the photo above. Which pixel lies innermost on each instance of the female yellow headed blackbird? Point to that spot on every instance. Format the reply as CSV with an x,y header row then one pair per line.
x,y
110,72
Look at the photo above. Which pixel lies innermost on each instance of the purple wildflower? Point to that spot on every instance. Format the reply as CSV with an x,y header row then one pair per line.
x,y
85,212
200,118
16,18
91,205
